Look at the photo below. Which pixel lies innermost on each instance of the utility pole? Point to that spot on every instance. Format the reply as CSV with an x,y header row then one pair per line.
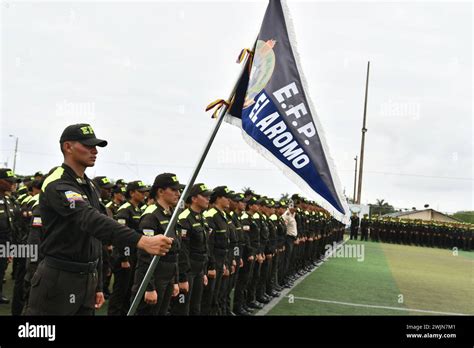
x,y
355,180
16,150
364,130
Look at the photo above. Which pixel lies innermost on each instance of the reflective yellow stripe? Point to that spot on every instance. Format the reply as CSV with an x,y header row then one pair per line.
x,y
150,209
56,175
124,206
210,213
184,214
26,200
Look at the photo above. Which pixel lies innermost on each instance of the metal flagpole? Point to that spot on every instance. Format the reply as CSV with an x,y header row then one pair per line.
x,y
362,144
355,181
174,217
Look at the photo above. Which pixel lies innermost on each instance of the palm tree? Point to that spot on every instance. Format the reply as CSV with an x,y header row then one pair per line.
x,y
383,207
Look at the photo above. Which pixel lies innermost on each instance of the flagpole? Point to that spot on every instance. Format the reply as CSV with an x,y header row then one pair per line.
x,y
174,217
362,144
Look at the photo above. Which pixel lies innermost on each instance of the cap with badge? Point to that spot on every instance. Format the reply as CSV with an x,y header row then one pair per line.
x,y
163,181
103,182
198,189
119,189
137,185
121,182
166,180
237,197
7,174
221,191
82,133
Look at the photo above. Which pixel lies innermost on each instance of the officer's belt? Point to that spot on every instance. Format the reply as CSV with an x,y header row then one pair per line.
x,y
70,266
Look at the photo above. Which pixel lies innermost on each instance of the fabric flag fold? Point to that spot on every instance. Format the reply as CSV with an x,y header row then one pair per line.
x,y
277,118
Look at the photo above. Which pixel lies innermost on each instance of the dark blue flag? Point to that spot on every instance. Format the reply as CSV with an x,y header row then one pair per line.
x,y
275,113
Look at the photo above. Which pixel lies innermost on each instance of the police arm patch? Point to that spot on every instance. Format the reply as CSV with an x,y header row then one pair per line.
x,y
148,232
72,196
37,222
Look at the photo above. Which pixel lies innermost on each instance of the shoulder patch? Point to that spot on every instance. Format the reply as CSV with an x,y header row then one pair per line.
x,y
72,196
124,206
244,216
210,213
184,214
56,175
255,216
150,209
148,232
37,222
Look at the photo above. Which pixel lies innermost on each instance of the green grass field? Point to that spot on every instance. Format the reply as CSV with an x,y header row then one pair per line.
x,y
427,278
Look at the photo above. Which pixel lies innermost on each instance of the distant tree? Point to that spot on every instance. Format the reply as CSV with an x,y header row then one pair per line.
x,y
465,216
381,207
285,196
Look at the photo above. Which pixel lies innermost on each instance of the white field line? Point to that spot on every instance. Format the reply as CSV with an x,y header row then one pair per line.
x,y
374,306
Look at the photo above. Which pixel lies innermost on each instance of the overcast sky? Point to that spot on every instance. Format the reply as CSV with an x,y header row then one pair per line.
x,y
142,74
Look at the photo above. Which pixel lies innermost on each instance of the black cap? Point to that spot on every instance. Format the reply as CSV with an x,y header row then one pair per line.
x,y
253,201
7,174
261,201
199,189
82,133
137,186
119,189
221,191
38,174
37,184
103,182
237,197
121,182
167,180
270,203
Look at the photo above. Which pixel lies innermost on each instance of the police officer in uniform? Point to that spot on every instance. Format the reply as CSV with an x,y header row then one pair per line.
x,y
67,281
118,198
105,187
218,247
193,255
250,240
7,219
364,228
124,259
163,285
21,238
354,226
